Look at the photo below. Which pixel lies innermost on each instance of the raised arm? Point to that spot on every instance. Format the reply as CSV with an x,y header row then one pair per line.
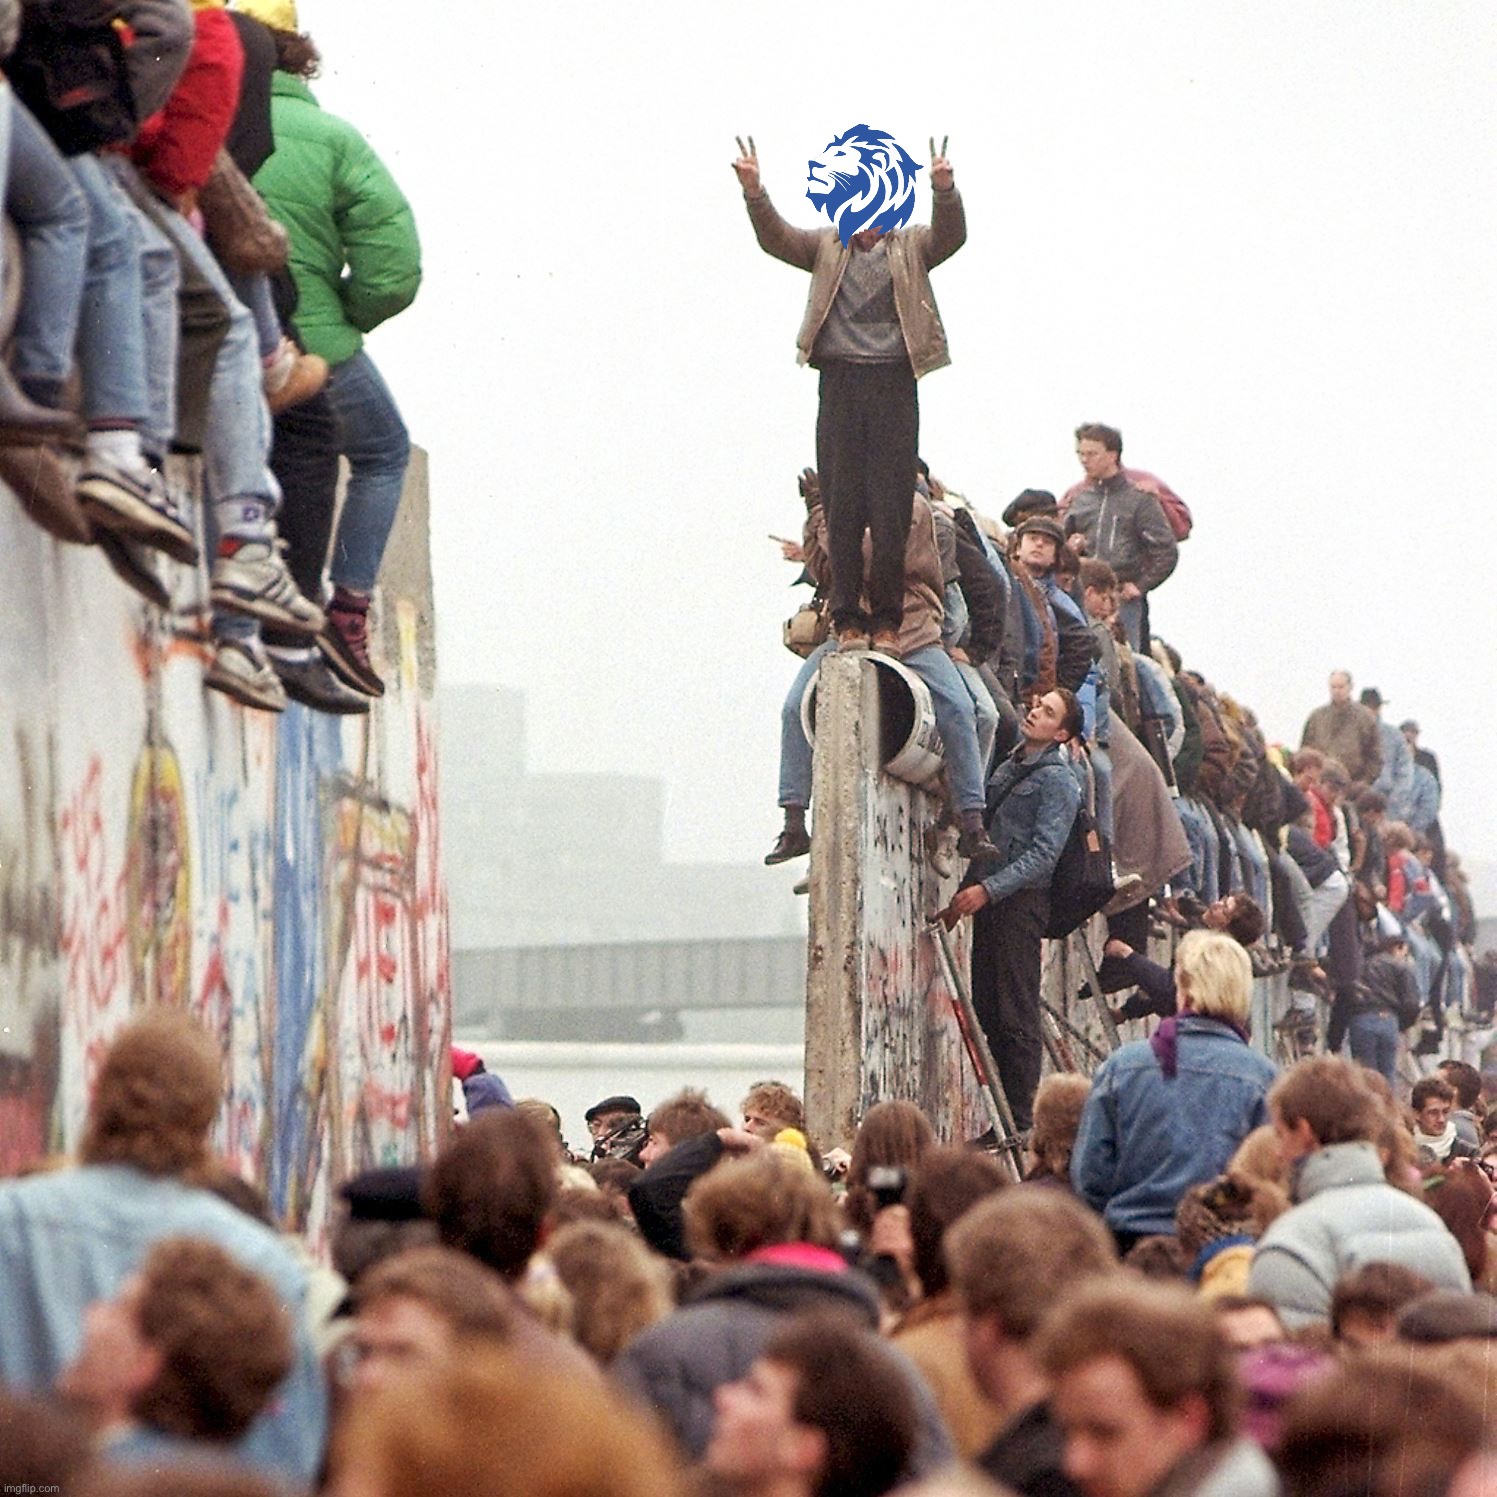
x,y
948,219
784,241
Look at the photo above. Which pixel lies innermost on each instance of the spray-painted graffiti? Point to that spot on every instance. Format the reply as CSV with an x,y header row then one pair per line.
x,y
279,879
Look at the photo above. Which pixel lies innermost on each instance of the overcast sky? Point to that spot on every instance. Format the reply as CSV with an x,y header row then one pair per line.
x,y
1260,238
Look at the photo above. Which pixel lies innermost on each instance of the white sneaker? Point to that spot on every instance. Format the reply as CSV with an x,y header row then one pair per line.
x,y
241,670
254,581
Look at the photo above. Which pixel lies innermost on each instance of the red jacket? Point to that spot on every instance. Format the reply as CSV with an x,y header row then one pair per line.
x,y
176,147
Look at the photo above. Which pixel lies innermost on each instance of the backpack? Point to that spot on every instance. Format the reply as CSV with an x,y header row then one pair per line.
x,y
71,75
1176,510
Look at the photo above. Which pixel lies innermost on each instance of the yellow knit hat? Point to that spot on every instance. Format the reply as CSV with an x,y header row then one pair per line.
x,y
280,15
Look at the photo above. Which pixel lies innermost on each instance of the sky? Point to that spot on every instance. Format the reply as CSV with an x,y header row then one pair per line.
x,y
1259,238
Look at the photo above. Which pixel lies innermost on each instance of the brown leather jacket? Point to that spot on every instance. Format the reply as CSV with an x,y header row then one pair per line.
x,y
924,611
913,254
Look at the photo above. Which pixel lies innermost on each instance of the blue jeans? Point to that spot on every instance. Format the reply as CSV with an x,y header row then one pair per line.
x,y
1131,616
986,712
795,750
146,316
372,436
957,720
1200,880
1374,1042
254,291
51,213
236,450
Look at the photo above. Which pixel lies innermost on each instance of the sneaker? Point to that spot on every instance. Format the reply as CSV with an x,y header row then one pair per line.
x,y
310,681
345,642
252,579
36,476
240,670
137,504
789,844
132,565
1127,891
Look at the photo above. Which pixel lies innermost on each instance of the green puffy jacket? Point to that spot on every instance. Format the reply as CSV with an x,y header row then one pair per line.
x,y
355,256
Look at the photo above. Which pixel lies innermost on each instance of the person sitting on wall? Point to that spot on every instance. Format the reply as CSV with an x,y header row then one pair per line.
x,y
1037,797
919,646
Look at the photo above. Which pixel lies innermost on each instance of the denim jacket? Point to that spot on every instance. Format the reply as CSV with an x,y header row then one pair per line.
x,y
1032,822
73,1237
1145,1138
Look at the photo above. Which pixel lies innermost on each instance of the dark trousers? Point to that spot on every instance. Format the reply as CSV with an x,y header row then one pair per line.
x,y
1006,941
304,459
867,436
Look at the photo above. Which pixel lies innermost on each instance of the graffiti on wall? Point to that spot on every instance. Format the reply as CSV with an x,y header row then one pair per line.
x,y
279,879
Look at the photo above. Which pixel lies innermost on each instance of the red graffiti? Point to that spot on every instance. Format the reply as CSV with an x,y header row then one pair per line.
x,y
96,971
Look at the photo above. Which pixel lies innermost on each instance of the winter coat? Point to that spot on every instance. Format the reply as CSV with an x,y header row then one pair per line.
x,y
344,213
1126,528
985,588
1032,821
1347,1215
718,1333
1147,836
1146,1138
1346,731
1395,779
1192,748
161,37
913,254
932,1337
176,147
655,1197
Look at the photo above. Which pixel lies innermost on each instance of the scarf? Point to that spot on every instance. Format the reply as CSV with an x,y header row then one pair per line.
x,y
1165,1041
1439,1144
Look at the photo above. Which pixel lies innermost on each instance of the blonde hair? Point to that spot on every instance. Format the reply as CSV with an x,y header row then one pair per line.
x,y
1214,976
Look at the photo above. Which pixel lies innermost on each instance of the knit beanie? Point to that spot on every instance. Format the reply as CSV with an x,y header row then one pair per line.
x,y
279,15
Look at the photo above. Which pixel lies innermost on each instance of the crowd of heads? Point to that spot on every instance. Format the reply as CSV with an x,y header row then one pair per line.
x,y
742,1311
166,304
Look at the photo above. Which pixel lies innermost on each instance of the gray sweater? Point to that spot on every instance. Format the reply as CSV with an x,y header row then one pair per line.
x,y
1347,1215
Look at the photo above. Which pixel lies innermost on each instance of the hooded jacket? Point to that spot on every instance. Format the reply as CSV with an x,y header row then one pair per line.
x,y
717,1334
913,254
1126,528
355,256
1346,1214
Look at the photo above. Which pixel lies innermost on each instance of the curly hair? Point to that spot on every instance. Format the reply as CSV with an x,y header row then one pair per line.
x,y
757,1202
686,1115
295,53
490,1188
224,1339
156,1097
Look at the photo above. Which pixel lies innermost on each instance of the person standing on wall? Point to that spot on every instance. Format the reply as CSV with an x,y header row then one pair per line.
x,y
356,261
872,329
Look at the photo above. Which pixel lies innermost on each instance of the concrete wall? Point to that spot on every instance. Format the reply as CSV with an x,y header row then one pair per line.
x,y
278,877
879,1018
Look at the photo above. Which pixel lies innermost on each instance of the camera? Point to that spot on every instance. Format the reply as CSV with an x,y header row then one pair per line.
x,y
887,1184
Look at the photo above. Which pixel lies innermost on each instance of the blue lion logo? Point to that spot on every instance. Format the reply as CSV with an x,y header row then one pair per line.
x,y
864,179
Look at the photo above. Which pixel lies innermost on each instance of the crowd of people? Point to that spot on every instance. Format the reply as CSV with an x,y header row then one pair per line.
x,y
1062,714
1214,1278
202,250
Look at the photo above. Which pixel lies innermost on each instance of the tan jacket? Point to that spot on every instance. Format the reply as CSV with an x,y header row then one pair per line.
x,y
924,611
913,254
931,1337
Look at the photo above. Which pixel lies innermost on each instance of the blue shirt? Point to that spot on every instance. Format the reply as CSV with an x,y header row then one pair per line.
x,y
1032,821
73,1237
